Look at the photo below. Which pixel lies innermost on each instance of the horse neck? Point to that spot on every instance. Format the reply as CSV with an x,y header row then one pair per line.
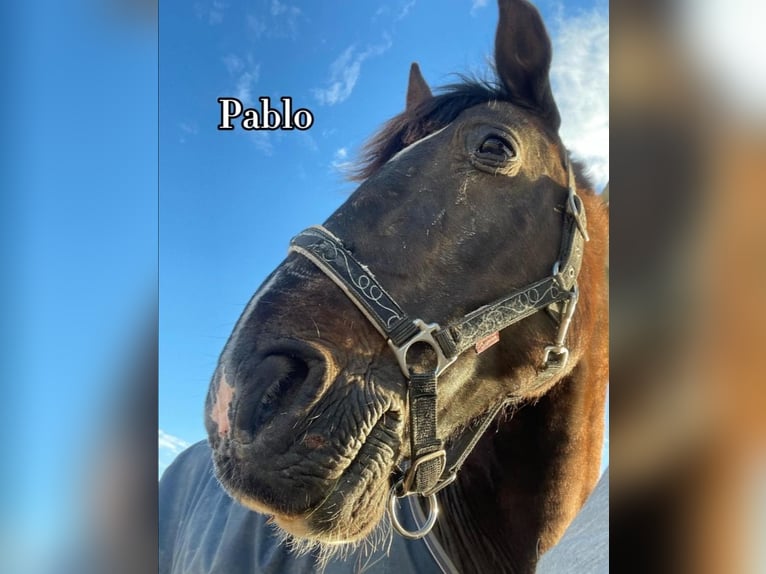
x,y
530,474
524,482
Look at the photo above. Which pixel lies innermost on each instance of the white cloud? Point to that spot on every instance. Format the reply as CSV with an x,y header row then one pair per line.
x,y
309,141
344,73
327,132
187,129
343,76
169,447
245,83
405,10
340,160
477,5
171,443
247,73
278,8
580,79
277,20
256,25
233,63
263,141
213,13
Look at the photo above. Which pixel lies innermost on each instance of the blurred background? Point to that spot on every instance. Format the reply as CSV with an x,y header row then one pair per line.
x,y
687,129
78,219
79,226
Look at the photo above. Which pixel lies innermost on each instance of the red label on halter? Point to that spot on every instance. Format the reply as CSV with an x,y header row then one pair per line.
x,y
485,343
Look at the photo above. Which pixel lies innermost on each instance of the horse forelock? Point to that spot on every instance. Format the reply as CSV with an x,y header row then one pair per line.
x,y
426,118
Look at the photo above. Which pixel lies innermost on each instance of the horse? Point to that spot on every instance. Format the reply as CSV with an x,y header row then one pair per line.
x,y
439,345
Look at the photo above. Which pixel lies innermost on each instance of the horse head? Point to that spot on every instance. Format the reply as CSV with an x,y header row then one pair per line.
x,y
465,198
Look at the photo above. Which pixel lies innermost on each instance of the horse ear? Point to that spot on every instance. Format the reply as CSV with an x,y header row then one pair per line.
x,y
523,57
417,89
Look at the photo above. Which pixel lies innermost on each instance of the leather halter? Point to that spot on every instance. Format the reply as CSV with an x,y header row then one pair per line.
x,y
431,467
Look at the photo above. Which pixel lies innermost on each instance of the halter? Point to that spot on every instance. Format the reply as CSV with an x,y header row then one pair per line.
x,y
431,467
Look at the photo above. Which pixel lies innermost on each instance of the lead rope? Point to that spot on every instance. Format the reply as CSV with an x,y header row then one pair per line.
x,y
434,547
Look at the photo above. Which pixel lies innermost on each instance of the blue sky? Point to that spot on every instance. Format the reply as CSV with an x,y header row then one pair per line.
x,y
230,201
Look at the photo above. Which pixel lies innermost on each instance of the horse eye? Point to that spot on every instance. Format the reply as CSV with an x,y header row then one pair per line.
x,y
496,148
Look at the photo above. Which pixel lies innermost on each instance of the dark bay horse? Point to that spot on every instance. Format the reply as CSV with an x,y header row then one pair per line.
x,y
441,339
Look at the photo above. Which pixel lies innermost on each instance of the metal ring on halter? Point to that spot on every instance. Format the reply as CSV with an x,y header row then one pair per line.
x,y
425,334
433,513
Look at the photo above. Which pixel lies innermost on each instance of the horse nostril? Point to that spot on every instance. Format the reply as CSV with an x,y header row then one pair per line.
x,y
276,385
286,372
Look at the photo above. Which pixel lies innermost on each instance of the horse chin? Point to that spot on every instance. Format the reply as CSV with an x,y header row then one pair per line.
x,y
333,541
346,505
349,513
305,528
336,525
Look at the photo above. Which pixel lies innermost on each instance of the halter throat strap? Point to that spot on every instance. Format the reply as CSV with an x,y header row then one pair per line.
x,y
430,470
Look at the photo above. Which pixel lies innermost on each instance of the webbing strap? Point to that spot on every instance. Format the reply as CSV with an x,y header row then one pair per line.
x,y
427,450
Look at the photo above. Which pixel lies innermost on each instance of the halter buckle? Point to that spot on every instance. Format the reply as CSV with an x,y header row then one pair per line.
x,y
560,352
409,476
425,334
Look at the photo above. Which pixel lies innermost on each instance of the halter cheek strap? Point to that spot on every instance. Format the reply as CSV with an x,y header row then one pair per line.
x,y
430,470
